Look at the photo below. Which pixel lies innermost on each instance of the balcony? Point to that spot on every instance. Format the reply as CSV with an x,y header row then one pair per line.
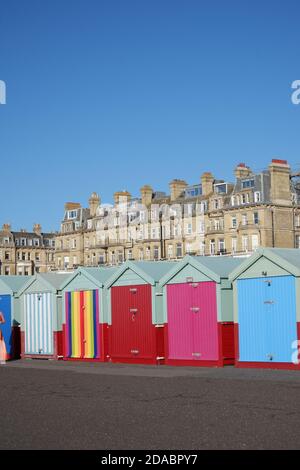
x,y
248,226
215,230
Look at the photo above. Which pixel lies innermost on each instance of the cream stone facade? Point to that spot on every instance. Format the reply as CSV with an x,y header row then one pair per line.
x,y
26,253
213,217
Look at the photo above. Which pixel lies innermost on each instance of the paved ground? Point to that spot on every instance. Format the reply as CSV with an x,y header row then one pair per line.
x,y
59,405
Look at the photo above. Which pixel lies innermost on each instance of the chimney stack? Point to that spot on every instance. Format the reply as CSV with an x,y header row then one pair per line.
x,y
121,197
70,206
94,203
242,171
176,188
37,229
207,182
280,190
6,227
146,193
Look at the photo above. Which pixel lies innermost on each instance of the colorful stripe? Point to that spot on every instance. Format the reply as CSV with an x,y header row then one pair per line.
x,y
82,321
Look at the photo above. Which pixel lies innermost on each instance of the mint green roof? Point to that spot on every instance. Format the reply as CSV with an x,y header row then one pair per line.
x,y
155,269
221,265
215,267
286,258
100,274
55,279
15,282
150,271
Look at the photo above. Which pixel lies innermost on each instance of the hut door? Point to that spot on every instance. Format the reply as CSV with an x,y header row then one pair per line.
x,y
267,319
280,313
180,321
132,334
38,323
6,328
82,324
205,322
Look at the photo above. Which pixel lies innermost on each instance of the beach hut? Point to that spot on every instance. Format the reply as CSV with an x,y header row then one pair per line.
x,y
267,309
198,311
84,314
41,316
10,309
135,320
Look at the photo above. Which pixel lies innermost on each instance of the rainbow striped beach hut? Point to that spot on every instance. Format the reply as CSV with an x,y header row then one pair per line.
x,y
84,314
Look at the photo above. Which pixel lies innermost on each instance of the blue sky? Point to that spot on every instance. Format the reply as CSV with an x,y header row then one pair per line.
x,y
105,95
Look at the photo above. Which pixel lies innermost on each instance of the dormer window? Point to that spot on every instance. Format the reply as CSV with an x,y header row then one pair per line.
x,y
249,183
72,214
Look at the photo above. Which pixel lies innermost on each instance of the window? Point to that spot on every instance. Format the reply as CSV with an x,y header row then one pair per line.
x,y
193,191
23,241
201,226
188,248
232,200
202,248
72,214
244,219
89,224
248,183
7,255
212,247
222,245
120,257
245,243
170,251
101,258
255,218
233,245
7,271
141,254
216,204
66,262
254,241
112,257
179,250
189,229
233,222
74,260
221,188
297,221
36,242
156,252
257,196
243,199
203,206
129,254
298,241
74,243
